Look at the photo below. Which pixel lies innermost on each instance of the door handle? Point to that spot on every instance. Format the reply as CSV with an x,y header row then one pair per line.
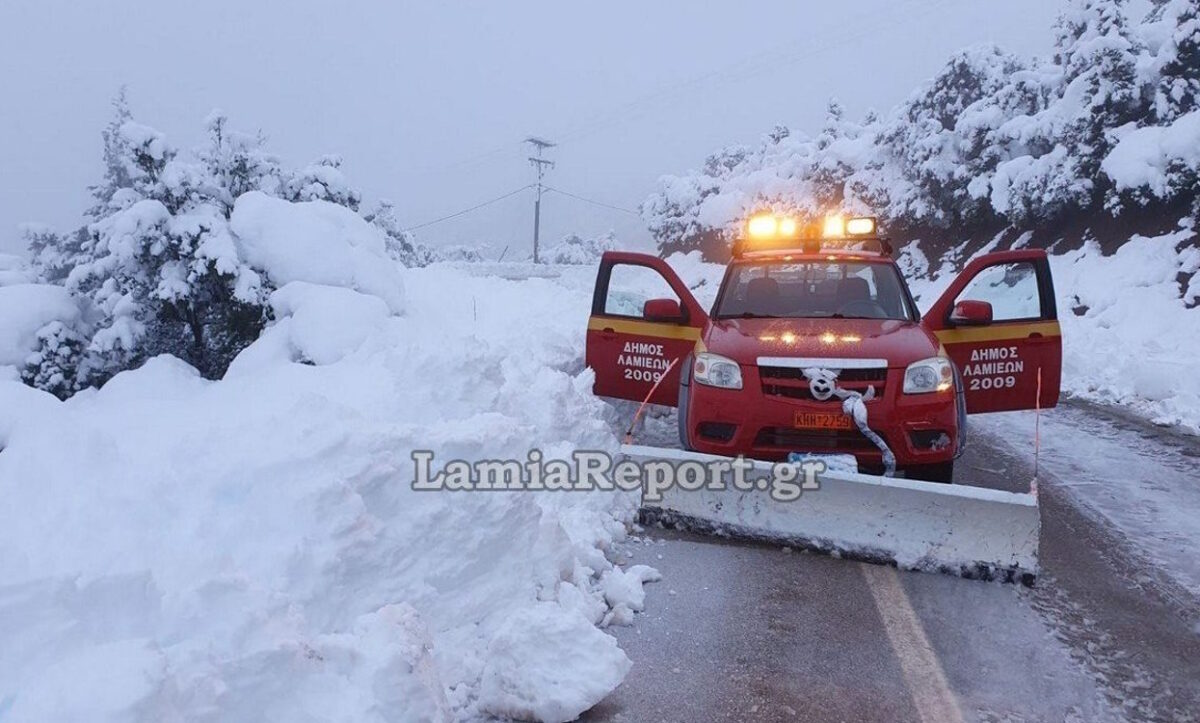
x,y
608,333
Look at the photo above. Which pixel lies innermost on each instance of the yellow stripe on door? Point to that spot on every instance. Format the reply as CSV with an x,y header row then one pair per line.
x,y
998,332
644,328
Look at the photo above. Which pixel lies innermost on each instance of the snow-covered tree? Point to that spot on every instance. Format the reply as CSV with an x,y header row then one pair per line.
x,y
322,180
1177,91
576,250
159,265
672,213
237,163
53,254
400,244
55,365
991,141
117,175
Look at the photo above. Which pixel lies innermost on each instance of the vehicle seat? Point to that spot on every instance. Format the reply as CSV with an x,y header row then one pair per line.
x,y
762,296
852,289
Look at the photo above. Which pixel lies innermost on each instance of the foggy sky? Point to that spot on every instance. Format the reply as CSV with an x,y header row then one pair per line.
x,y
428,102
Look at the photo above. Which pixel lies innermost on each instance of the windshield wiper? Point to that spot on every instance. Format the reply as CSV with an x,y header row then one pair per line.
x,y
750,315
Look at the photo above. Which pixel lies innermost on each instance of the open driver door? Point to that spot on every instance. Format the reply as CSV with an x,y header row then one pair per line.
x,y
643,326
999,324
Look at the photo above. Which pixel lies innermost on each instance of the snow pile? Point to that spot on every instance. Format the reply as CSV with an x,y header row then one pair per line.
x,y
173,548
318,242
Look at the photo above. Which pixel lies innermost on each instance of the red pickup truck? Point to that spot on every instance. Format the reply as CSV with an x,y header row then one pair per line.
x,y
802,321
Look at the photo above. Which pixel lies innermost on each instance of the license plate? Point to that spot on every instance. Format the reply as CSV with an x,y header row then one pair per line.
x,y
820,420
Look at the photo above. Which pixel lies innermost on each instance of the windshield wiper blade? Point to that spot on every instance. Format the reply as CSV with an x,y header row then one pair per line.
x,y
749,315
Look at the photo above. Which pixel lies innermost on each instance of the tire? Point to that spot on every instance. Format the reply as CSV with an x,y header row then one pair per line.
x,y
942,472
681,410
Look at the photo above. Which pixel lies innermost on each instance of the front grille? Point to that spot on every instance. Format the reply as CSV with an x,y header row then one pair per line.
x,y
790,382
846,375
812,440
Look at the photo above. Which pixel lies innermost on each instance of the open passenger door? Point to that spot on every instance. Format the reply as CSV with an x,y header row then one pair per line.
x,y
999,323
643,320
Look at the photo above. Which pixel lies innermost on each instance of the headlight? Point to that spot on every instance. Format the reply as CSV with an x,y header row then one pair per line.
x,y
717,371
928,375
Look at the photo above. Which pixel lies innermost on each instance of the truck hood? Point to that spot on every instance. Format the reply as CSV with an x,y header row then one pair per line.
x,y
744,340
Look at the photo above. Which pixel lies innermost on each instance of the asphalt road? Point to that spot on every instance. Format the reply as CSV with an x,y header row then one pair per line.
x,y
758,633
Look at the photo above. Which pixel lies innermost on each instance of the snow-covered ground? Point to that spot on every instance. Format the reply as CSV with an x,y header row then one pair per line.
x,y
1141,488
176,548
173,548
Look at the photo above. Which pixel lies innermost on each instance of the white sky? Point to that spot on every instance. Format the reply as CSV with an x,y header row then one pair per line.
x,y
428,102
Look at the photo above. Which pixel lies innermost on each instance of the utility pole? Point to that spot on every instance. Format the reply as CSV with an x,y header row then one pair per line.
x,y
539,163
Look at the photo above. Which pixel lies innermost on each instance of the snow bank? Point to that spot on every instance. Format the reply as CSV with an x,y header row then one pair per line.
x,y
26,308
14,271
1128,337
173,548
318,242
324,323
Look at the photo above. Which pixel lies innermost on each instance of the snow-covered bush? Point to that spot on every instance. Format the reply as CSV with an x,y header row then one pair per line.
x,y
451,253
992,141
576,250
183,250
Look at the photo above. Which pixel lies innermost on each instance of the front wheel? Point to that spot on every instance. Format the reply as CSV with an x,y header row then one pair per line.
x,y
681,409
941,472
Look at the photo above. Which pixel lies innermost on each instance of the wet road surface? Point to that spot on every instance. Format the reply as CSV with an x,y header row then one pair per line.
x,y
759,633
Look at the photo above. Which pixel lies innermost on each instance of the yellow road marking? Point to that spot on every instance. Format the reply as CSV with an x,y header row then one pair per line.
x,y
923,673
644,328
998,332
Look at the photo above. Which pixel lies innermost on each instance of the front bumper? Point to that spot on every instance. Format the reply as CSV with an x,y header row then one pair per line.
x,y
753,421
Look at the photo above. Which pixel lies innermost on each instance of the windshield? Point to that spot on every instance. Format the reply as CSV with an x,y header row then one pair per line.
x,y
814,289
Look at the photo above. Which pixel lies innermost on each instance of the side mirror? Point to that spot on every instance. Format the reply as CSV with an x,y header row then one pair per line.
x,y
663,310
971,313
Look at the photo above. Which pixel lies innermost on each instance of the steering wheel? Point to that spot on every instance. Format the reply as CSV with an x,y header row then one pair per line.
x,y
863,307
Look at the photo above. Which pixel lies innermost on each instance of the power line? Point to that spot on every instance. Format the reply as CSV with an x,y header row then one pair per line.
x,y
594,203
465,211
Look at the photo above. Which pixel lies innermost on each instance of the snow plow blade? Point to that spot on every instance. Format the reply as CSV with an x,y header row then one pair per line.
x,y
971,532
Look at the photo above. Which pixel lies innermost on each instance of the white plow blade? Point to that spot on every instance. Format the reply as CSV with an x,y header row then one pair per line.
x,y
968,531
